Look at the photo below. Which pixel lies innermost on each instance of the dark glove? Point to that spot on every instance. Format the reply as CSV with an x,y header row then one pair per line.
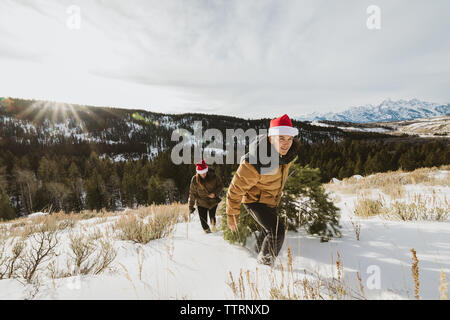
x,y
191,210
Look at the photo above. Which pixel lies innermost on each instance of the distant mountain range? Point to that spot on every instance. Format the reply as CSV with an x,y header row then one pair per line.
x,y
61,128
388,110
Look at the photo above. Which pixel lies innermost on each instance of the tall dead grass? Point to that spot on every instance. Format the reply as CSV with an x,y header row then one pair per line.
x,y
288,284
150,223
416,207
391,182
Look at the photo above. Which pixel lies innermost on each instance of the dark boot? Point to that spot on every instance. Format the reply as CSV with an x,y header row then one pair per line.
x,y
267,259
273,226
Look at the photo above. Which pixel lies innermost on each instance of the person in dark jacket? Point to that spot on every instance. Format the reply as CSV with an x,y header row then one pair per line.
x,y
260,190
205,190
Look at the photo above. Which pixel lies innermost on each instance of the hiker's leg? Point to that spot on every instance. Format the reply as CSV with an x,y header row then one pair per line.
x,y
203,214
272,225
212,218
212,215
259,239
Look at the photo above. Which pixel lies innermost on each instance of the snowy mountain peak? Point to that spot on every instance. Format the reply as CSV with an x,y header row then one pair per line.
x,y
387,110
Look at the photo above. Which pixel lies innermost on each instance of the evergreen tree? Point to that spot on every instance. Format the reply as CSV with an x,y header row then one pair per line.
x,y
75,183
369,165
43,198
113,191
6,210
128,186
408,160
48,170
155,191
95,192
246,227
304,203
142,178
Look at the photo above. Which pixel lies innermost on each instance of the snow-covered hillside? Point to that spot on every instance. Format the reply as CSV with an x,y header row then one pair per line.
x,y
190,264
388,110
422,127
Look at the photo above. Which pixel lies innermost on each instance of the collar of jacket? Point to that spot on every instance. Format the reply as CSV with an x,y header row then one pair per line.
x,y
263,139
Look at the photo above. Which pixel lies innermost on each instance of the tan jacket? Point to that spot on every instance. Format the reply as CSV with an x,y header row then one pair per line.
x,y
249,185
201,188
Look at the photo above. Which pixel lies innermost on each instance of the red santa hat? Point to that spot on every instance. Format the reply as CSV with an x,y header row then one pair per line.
x,y
202,167
282,126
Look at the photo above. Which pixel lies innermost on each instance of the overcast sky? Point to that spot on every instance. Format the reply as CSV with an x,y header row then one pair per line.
x,y
246,58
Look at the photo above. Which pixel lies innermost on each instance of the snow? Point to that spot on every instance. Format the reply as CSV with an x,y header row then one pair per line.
x,y
387,110
380,130
134,127
320,124
193,265
37,214
336,181
51,130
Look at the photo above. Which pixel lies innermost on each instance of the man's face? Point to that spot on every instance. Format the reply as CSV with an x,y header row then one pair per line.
x,y
281,143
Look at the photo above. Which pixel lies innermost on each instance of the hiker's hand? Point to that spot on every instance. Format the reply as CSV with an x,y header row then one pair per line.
x,y
232,221
211,195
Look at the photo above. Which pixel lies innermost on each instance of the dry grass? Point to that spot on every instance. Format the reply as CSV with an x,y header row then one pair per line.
x,y
29,247
150,223
413,212
174,209
27,255
415,273
365,207
413,207
9,261
85,256
70,218
418,207
26,226
391,181
356,228
443,291
289,285
395,191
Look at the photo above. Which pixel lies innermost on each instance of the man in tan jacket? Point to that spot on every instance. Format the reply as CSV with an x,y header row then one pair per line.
x,y
260,190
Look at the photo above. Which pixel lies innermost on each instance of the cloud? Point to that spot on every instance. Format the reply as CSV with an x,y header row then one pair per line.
x,y
246,58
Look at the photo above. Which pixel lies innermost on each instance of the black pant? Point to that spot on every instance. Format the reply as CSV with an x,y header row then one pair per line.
x,y
271,238
203,213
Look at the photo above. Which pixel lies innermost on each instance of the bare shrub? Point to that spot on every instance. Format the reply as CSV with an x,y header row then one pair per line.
x,y
89,257
151,223
365,207
133,229
419,208
81,250
42,245
106,256
11,265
